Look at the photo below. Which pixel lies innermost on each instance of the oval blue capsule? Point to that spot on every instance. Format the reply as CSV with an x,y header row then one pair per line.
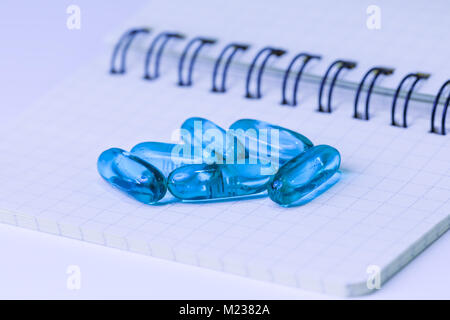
x,y
268,142
165,156
309,173
203,181
132,175
207,139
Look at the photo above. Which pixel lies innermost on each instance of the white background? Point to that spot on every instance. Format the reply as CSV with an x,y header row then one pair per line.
x,y
37,52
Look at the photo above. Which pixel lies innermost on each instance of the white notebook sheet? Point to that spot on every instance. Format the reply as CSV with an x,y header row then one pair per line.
x,y
392,200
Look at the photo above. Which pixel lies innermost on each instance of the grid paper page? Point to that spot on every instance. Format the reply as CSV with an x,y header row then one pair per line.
x,y
392,200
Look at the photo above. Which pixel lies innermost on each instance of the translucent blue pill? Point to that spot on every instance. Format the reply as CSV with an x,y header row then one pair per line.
x,y
268,142
207,139
132,175
203,181
165,156
305,176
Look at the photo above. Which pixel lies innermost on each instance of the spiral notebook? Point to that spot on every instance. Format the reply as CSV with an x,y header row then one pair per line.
x,y
241,60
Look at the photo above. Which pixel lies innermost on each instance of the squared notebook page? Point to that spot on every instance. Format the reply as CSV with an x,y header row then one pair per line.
x,y
411,37
391,202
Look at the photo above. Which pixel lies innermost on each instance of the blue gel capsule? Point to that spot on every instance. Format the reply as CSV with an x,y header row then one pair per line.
x,y
165,156
203,181
268,142
132,175
207,139
305,176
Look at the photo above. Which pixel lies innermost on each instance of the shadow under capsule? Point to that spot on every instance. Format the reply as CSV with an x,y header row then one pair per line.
x,y
228,199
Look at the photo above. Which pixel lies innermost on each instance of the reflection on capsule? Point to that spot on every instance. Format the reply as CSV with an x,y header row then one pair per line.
x,y
132,175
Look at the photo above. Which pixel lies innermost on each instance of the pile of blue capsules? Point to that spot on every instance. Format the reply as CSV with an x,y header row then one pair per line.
x,y
252,157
